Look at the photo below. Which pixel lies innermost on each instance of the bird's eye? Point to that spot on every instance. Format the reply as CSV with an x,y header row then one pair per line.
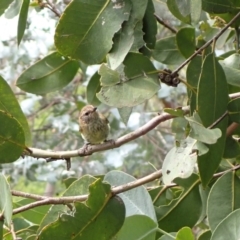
x,y
87,113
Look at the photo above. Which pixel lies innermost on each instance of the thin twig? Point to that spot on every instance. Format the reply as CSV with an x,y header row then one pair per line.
x,y
52,7
172,29
205,45
218,120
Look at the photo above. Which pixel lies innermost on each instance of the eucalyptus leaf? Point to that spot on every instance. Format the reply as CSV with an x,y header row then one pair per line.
x,y
5,200
92,88
12,140
85,29
9,103
125,113
109,77
4,4
22,20
166,51
50,74
179,161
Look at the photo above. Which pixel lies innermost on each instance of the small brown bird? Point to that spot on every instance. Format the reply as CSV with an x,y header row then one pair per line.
x,y
94,127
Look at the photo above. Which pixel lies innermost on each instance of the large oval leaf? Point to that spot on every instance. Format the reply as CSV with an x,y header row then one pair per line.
x,y
12,141
49,74
137,201
9,103
166,51
212,101
140,83
4,5
101,217
86,28
227,200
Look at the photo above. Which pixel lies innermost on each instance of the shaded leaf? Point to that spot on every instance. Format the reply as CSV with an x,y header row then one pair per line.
x,y
5,200
109,77
139,84
22,20
212,102
166,51
232,148
195,10
180,9
12,140
227,200
200,133
231,67
179,162
13,9
174,112
205,235
125,38
9,103
4,4
125,113
185,39
34,215
137,201
50,74
92,88
228,228
150,25
84,26
234,110
138,227
188,201
101,211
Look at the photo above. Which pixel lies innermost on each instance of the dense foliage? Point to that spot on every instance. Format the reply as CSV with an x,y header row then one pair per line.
x,y
169,66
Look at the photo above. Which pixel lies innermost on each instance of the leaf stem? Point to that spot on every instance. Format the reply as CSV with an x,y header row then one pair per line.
x,y
165,233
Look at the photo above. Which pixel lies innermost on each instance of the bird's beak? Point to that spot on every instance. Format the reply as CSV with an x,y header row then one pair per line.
x,y
94,109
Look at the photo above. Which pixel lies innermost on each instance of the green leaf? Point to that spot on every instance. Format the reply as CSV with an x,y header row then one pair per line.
x,y
231,68
228,228
180,9
232,148
205,235
150,25
13,9
109,77
185,233
4,4
220,6
130,93
234,110
139,84
200,133
22,20
195,10
174,112
34,215
76,188
50,74
5,200
166,52
12,141
227,200
137,201
85,29
179,162
138,227
188,202
124,40
125,113
193,75
101,217
185,40
212,103
92,88
9,103
138,37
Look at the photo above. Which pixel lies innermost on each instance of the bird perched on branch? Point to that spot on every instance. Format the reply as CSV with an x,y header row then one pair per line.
x,y
94,127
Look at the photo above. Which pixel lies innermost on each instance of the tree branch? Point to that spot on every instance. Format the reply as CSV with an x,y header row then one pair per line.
x,y
206,44
90,149
159,20
43,200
